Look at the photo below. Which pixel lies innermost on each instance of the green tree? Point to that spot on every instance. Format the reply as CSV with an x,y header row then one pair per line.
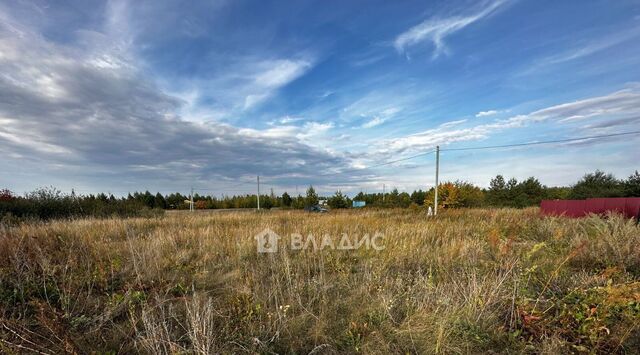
x,y
597,184
286,199
417,197
159,201
312,197
404,200
338,200
470,195
497,193
175,200
557,193
299,202
529,192
632,185
265,201
146,198
392,198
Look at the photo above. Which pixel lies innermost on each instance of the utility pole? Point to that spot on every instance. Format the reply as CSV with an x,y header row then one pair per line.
x,y
191,203
384,189
258,192
435,202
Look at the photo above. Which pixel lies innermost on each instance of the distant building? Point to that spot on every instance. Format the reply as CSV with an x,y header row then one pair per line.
x,y
322,202
359,203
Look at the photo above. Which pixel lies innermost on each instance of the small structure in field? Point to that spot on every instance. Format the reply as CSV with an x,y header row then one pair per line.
x,y
357,204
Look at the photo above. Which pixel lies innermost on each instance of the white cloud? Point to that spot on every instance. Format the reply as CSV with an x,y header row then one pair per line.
x,y
592,47
63,112
623,102
430,138
380,117
435,30
228,81
244,84
274,75
288,119
314,130
281,72
576,49
309,132
376,121
452,123
619,108
487,113
253,100
275,132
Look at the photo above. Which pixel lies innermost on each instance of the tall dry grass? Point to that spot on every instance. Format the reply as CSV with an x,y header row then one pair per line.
x,y
469,281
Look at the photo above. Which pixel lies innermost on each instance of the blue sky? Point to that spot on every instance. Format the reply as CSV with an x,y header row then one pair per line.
x,y
121,96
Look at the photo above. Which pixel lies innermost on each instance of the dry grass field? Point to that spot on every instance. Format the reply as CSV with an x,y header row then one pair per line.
x,y
470,281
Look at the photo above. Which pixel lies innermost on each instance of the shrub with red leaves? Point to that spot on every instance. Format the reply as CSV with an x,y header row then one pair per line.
x,y
6,195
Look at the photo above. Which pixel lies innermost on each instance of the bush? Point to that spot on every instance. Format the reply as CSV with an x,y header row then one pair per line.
x,y
50,203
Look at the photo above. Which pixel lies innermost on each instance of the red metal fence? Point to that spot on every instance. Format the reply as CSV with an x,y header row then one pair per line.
x,y
628,206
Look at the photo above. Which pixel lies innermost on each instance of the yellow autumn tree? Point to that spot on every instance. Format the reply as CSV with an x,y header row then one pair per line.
x,y
456,194
448,196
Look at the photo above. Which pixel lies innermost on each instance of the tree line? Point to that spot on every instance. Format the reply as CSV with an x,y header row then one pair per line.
x,y
51,203
503,193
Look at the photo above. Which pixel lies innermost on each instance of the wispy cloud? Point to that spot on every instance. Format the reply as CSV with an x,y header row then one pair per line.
x,y
593,46
487,113
436,30
583,48
381,117
289,119
281,72
127,93
616,109
376,121
624,102
452,123
274,75
59,107
239,86
231,77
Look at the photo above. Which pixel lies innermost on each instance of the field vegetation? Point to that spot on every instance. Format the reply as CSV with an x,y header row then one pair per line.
x,y
468,281
46,203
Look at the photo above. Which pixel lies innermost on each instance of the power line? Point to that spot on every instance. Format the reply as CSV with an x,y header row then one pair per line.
x,y
229,187
385,163
542,142
445,149
481,148
378,165
399,160
493,147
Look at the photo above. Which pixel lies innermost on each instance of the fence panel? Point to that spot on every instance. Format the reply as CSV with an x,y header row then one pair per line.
x,y
576,208
596,205
615,204
630,206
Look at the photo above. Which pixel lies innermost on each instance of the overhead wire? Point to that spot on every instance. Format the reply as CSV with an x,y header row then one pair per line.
x,y
541,142
430,151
